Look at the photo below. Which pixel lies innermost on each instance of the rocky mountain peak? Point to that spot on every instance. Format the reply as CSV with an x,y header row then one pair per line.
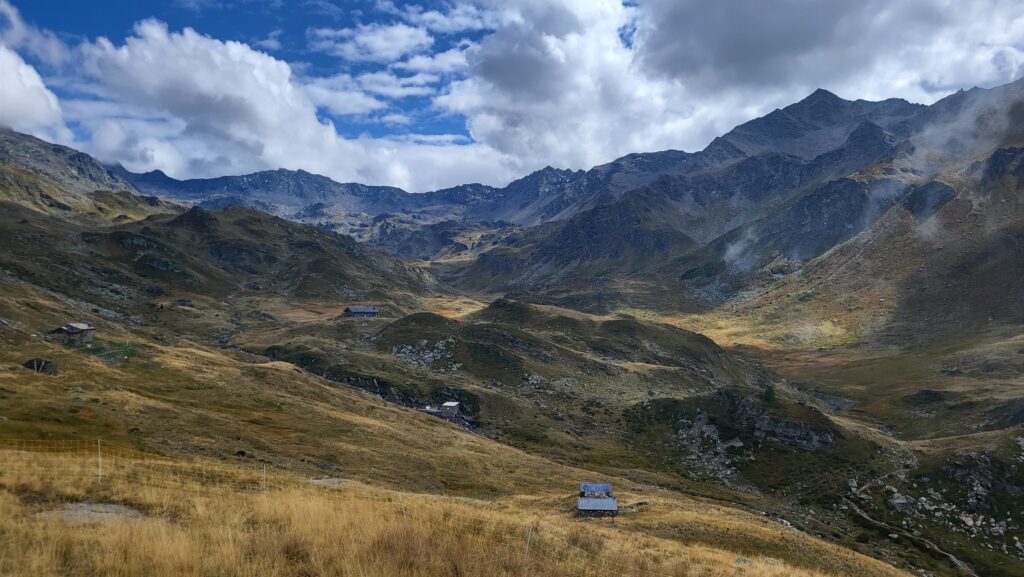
x,y
821,95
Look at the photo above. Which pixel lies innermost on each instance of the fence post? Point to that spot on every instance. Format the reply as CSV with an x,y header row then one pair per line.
x,y
401,502
99,460
529,539
264,476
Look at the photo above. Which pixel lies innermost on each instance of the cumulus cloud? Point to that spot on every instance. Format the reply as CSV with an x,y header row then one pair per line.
x,y
570,84
341,95
559,86
371,42
28,105
218,107
674,74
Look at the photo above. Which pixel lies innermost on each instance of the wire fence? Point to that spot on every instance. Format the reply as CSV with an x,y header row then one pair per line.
x,y
518,546
93,463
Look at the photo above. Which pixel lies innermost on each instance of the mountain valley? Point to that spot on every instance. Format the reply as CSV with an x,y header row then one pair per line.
x,y
815,322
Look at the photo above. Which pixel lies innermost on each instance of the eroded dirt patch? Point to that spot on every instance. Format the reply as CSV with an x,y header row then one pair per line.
x,y
87,513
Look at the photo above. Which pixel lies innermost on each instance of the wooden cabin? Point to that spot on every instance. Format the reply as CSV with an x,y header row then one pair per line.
x,y
76,333
362,311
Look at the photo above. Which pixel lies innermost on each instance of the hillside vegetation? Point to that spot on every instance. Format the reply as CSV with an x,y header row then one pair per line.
x,y
151,516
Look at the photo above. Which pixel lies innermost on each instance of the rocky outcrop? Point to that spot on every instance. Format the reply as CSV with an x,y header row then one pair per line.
x,y
437,356
981,475
767,427
704,454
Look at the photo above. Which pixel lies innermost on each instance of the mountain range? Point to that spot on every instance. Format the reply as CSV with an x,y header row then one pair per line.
x,y
818,316
770,195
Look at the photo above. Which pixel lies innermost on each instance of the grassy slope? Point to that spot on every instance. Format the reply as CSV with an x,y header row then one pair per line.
x,y
194,525
176,395
189,401
544,379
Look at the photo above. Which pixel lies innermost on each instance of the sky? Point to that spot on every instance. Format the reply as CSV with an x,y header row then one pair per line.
x,y
432,94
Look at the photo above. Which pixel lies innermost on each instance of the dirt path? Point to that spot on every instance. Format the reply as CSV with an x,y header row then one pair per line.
x,y
964,567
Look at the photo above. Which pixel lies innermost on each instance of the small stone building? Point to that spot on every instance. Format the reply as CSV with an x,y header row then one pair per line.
x,y
76,333
596,500
362,311
450,410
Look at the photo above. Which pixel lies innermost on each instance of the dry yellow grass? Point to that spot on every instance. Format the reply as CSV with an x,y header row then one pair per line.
x,y
184,400
452,307
212,519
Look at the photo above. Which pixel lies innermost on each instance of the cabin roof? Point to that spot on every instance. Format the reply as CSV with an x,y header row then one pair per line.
x,y
362,309
73,328
595,504
451,404
595,487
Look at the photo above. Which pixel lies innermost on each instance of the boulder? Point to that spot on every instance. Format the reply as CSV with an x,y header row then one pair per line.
x,y
903,504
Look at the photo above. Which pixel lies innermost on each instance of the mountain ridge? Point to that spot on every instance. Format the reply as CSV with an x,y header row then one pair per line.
x,y
858,284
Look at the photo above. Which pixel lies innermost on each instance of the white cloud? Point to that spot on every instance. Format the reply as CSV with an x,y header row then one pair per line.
x,y
272,41
435,139
18,35
341,95
212,107
559,84
28,106
447,62
460,17
396,118
371,42
393,86
571,84
559,87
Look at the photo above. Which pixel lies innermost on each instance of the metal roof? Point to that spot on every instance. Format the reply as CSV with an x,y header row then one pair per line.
x,y
595,487
590,504
362,309
450,404
73,328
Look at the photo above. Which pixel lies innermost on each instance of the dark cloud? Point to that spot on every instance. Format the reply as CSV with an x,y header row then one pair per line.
x,y
517,64
752,43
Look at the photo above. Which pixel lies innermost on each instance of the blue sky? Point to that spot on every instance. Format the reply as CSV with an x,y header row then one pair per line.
x,y
429,94
281,29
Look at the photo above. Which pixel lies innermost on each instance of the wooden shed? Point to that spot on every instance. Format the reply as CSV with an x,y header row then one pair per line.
x,y
76,333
